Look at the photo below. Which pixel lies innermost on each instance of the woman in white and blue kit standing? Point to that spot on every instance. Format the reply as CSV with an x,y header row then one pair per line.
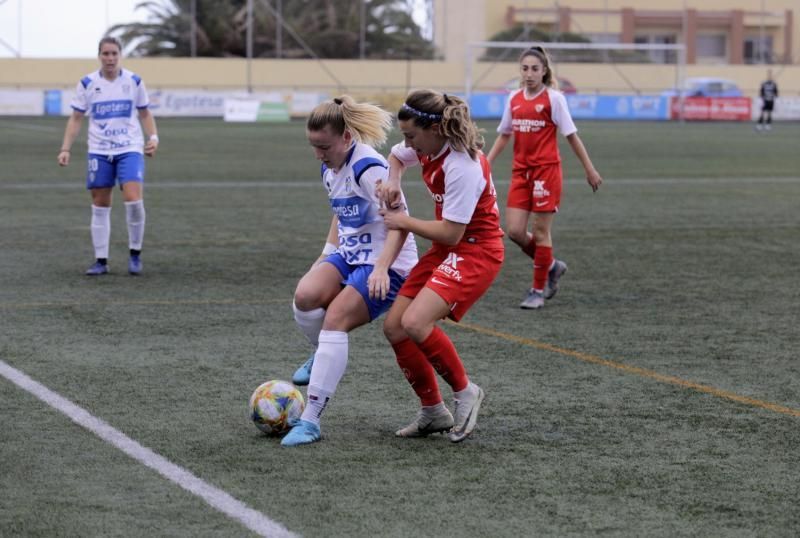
x,y
109,97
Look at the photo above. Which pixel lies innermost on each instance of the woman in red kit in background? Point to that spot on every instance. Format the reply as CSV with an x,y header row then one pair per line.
x,y
533,115
465,257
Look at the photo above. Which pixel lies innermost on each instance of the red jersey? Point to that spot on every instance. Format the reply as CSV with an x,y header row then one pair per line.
x,y
533,121
462,190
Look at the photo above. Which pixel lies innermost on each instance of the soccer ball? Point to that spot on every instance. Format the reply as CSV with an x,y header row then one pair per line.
x,y
274,404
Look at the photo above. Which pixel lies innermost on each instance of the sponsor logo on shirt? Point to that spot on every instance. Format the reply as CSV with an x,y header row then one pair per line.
x,y
352,211
112,109
524,125
353,247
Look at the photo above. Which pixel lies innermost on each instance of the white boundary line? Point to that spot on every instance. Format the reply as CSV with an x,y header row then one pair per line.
x,y
222,501
305,184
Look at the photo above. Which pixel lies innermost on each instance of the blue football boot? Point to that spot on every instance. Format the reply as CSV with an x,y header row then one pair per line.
x,y
97,268
134,264
302,433
302,375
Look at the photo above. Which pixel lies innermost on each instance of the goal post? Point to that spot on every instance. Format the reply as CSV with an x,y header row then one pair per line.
x,y
611,55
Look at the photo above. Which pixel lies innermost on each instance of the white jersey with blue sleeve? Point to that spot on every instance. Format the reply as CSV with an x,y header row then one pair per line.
x,y
351,191
113,125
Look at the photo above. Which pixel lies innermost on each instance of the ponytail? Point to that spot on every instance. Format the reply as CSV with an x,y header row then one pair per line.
x,y
368,124
451,113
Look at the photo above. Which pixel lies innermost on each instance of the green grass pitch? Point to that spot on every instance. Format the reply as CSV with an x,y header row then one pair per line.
x,y
657,395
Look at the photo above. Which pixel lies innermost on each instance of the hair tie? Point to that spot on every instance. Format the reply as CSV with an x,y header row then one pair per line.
x,y
421,114
337,101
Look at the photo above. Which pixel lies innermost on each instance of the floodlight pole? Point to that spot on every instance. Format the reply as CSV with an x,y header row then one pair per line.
x,y
249,60
193,30
468,74
279,29
362,32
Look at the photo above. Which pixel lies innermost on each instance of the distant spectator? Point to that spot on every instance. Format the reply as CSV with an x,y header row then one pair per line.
x,y
768,93
109,96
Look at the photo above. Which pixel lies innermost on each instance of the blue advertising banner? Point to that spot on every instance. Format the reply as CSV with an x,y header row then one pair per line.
x,y
583,107
52,102
618,107
484,106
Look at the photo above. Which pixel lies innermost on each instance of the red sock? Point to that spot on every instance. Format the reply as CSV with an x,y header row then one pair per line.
x,y
541,266
418,372
442,354
530,248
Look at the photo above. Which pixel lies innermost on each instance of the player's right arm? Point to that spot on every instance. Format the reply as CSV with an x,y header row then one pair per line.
x,y
331,242
70,133
499,145
391,192
504,130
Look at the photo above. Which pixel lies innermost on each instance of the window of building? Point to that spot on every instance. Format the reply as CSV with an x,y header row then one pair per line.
x,y
659,56
603,38
711,48
758,50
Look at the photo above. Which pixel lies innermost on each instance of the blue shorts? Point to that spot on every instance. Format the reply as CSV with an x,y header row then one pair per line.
x,y
356,276
108,170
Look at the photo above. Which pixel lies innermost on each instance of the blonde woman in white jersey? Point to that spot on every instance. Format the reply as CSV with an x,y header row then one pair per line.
x,y
363,265
109,97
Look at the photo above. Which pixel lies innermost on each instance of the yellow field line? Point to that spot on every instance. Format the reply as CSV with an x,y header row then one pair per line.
x,y
585,357
140,303
644,372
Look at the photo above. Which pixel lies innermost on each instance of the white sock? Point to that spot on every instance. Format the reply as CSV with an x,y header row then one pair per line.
x,y
101,230
135,216
470,389
330,363
432,410
310,322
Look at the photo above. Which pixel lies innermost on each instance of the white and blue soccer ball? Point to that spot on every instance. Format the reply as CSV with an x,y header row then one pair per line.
x,y
274,405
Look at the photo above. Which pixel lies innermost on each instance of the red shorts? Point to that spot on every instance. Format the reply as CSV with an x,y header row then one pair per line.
x,y
536,189
459,274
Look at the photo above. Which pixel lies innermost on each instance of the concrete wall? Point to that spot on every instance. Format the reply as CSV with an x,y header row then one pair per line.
x,y
379,81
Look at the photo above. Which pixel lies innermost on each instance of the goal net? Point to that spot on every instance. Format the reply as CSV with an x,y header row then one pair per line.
x,y
586,68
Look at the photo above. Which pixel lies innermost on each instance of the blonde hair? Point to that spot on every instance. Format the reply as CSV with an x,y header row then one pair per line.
x,y
429,107
548,79
369,124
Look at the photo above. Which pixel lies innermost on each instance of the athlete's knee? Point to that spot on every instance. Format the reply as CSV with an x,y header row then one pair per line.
x,y
518,236
392,329
306,299
415,327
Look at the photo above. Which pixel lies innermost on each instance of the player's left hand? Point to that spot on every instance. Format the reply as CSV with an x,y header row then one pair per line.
x,y
393,219
150,147
594,180
378,284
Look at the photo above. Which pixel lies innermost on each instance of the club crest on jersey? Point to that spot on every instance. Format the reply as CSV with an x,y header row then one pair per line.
x,y
539,107
126,88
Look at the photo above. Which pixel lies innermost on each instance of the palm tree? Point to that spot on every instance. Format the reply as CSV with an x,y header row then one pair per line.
x,y
331,29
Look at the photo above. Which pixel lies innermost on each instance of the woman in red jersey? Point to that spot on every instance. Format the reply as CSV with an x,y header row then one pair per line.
x,y
533,114
465,257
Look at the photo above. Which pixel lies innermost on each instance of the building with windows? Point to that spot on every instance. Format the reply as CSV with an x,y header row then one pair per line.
x,y
715,32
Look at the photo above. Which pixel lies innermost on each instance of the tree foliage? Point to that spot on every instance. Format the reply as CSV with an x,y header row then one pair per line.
x,y
326,28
